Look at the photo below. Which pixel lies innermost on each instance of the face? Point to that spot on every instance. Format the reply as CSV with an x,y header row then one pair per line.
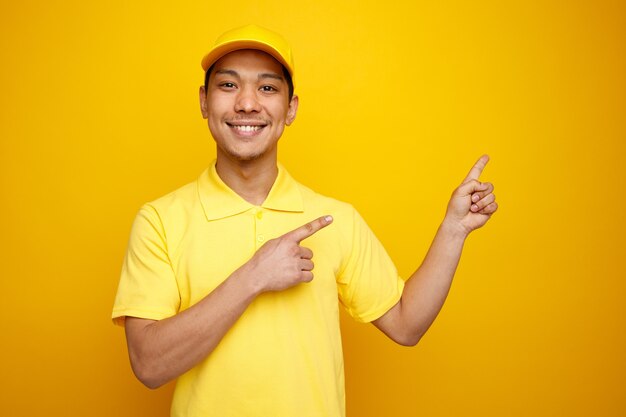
x,y
247,105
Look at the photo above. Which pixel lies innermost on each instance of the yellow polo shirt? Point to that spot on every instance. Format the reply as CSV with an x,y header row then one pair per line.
x,y
283,357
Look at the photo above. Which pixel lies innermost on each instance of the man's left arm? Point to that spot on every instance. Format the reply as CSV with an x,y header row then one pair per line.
x,y
470,207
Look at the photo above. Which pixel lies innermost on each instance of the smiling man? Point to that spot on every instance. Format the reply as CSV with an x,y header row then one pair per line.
x,y
232,284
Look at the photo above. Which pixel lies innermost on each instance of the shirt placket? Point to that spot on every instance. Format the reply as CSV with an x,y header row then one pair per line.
x,y
260,229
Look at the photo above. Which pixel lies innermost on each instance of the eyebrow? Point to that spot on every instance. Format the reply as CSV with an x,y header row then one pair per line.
x,y
272,75
227,72
263,75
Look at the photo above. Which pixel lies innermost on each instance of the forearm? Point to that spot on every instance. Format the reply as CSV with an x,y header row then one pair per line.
x,y
470,207
163,350
426,290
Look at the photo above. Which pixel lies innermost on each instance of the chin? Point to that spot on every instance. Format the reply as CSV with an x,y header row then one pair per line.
x,y
247,153
244,156
248,158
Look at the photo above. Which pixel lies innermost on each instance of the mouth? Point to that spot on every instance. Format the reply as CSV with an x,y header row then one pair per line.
x,y
246,128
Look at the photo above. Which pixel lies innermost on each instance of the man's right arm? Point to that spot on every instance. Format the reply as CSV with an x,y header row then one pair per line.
x,y
165,349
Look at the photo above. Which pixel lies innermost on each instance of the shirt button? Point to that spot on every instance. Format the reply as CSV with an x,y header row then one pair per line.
x,y
259,215
260,238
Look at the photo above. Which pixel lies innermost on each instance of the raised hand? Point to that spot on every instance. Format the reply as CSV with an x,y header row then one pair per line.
x,y
282,263
473,202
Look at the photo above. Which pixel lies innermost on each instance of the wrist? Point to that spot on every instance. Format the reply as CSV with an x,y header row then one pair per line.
x,y
453,229
247,276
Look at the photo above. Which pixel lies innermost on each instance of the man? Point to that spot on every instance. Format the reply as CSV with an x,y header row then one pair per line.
x,y
232,283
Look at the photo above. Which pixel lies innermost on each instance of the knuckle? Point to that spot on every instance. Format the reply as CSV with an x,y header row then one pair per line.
x,y
475,184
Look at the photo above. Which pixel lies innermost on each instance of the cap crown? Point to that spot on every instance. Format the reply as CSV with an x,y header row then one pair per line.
x,y
251,37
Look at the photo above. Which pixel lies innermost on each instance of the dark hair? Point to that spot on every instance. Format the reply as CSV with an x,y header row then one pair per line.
x,y
285,74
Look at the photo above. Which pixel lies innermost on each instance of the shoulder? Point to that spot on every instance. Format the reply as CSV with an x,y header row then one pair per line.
x,y
179,199
172,208
346,219
318,202
182,195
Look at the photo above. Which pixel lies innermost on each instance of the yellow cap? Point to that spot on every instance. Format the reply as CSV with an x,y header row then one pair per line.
x,y
251,37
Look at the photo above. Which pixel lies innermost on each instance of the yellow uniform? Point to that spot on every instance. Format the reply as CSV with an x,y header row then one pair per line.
x,y
283,357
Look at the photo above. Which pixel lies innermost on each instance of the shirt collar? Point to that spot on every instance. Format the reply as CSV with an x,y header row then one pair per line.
x,y
219,201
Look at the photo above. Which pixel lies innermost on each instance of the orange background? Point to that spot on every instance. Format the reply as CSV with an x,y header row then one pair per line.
x,y
99,113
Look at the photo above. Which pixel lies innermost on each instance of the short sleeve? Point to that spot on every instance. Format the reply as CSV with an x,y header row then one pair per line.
x,y
147,287
368,284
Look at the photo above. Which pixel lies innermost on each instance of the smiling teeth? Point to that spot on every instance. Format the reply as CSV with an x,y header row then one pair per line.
x,y
248,128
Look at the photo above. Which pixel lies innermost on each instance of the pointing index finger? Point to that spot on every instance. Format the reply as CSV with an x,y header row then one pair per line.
x,y
310,228
477,169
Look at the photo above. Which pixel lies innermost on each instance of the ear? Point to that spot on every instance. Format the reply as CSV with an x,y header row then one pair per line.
x,y
203,103
293,109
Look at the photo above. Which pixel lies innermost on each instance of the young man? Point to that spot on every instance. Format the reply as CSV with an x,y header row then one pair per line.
x,y
232,283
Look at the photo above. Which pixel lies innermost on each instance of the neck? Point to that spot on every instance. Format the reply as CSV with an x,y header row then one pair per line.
x,y
251,180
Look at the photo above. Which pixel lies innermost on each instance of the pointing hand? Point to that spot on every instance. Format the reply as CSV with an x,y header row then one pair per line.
x,y
473,202
282,263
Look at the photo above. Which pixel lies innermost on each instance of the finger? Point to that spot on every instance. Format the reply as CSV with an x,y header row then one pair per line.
x,y
471,187
309,229
306,265
490,198
477,169
306,276
481,194
306,253
490,209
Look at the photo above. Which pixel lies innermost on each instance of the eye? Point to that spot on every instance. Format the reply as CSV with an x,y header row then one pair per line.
x,y
227,85
268,89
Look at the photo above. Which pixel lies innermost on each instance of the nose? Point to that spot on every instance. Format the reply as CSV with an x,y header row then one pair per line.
x,y
247,101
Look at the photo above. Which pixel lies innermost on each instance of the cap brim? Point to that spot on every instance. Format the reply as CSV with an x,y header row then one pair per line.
x,y
225,48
